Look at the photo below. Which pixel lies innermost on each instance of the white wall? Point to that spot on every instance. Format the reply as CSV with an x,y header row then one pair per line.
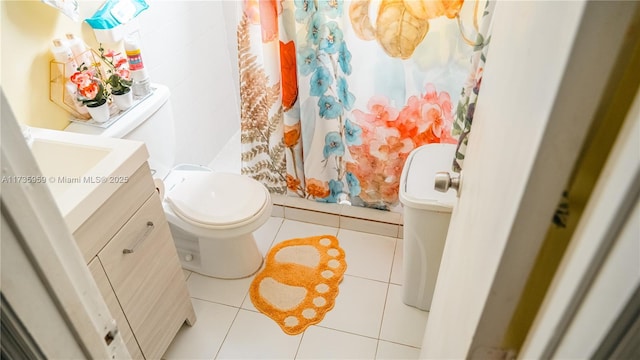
x,y
190,46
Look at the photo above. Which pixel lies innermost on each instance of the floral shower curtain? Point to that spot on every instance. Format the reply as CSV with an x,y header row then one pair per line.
x,y
336,94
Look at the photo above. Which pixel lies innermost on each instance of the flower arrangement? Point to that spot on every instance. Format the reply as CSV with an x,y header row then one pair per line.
x,y
92,90
119,74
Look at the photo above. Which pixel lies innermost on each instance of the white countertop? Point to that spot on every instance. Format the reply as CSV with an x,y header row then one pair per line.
x,y
83,171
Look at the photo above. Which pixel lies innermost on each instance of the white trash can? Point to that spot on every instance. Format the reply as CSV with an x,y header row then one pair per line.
x,y
426,220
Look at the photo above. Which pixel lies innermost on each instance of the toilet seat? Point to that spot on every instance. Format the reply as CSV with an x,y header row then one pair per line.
x,y
217,200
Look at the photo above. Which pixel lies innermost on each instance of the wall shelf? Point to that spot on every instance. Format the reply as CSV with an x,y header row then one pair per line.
x,y
62,90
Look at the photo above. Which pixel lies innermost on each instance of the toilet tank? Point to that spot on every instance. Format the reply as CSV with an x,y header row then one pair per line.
x,y
149,120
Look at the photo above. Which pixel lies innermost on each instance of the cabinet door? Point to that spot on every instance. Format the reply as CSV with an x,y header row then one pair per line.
x,y
148,279
114,307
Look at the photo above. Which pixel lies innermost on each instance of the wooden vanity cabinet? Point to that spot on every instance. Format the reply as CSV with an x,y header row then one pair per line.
x,y
114,308
137,268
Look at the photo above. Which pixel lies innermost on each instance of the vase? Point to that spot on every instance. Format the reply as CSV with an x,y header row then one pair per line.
x,y
123,101
99,113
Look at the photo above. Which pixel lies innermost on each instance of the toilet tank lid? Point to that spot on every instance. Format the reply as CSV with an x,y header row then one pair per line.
x,y
418,176
217,198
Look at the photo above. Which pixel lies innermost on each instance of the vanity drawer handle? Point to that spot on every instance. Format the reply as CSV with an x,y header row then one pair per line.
x,y
146,233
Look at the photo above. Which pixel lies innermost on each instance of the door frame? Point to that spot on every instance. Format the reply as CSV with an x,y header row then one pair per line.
x,y
472,323
44,278
599,276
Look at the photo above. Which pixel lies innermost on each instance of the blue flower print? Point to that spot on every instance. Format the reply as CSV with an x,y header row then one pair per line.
x,y
307,60
352,133
320,81
314,28
331,38
333,8
335,188
304,9
344,95
333,145
330,108
344,58
354,184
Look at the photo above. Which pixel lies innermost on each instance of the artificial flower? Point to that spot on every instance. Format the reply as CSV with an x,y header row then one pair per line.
x,y
92,90
119,76
81,79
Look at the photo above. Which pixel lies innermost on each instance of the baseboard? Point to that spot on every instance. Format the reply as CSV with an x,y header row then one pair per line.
x,y
387,223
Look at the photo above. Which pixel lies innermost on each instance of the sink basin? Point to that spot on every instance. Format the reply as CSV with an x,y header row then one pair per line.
x,y
83,171
65,164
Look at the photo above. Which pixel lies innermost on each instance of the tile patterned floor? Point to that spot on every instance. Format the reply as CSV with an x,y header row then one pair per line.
x,y
369,320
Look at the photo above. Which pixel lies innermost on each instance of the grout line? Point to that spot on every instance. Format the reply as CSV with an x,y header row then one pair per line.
x,y
273,239
340,215
384,308
216,302
393,259
366,278
343,331
398,343
375,354
295,356
367,219
227,334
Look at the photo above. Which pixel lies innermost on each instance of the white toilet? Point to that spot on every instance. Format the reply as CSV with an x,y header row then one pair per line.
x,y
212,215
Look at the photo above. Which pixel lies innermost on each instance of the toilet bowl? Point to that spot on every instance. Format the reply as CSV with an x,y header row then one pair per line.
x,y
212,217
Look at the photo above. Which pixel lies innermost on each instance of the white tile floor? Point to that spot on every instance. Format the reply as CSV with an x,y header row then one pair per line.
x,y
368,321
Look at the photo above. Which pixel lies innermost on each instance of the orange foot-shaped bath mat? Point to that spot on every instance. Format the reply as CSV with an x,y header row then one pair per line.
x,y
299,282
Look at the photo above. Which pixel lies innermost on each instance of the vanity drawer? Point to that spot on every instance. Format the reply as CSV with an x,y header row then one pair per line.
x,y
94,233
142,265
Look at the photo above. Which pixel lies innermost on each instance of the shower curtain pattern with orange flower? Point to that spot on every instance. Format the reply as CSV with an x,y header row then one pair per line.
x,y
336,94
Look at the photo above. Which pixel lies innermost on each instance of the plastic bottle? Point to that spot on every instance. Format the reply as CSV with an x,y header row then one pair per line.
x,y
79,50
141,83
62,53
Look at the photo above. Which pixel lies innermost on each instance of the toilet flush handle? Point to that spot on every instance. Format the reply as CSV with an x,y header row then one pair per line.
x,y
445,181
